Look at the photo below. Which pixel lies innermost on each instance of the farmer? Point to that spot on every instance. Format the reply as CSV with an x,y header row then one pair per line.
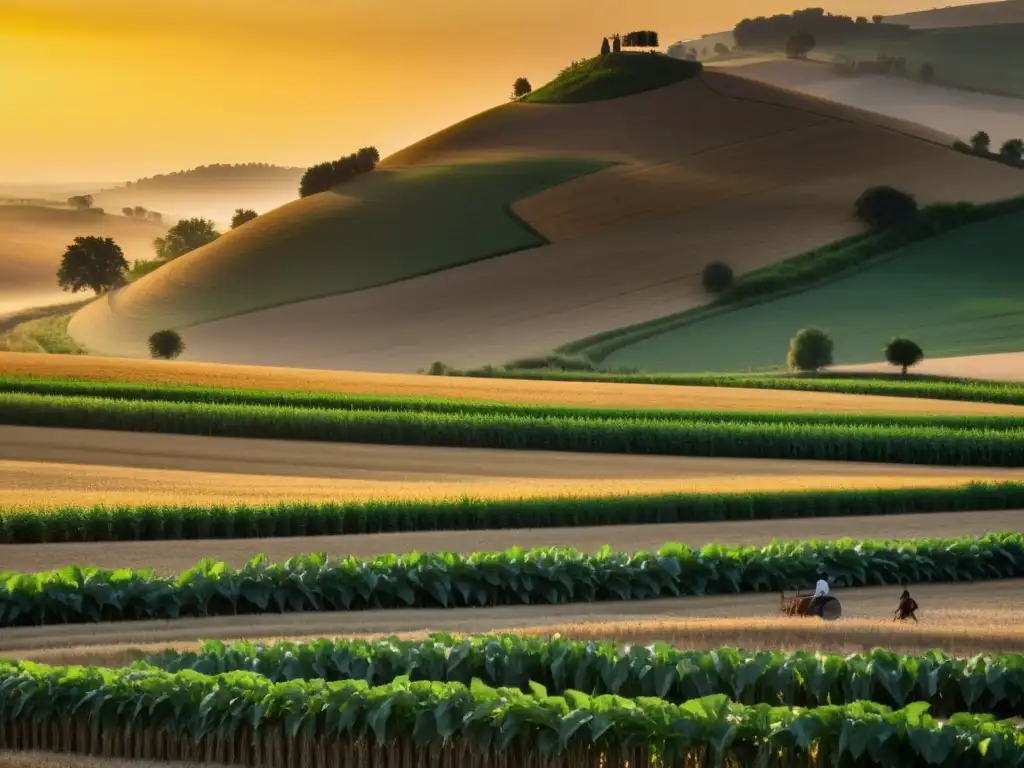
x,y
907,609
821,590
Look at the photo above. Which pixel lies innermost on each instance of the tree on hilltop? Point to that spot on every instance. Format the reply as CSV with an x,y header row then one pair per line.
x,y
242,215
81,202
799,44
521,87
616,44
324,176
96,263
903,353
128,211
645,38
186,236
981,142
605,47
1012,149
878,18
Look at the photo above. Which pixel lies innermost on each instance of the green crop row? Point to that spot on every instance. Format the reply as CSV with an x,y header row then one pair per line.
x,y
241,718
142,523
993,685
907,445
969,390
348,402
540,576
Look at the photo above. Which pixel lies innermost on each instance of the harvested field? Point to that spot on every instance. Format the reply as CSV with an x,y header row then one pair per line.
x,y
950,611
48,467
716,151
172,558
1008,366
597,395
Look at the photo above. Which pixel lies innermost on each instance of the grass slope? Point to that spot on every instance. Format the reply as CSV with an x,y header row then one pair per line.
x,y
956,294
381,228
613,76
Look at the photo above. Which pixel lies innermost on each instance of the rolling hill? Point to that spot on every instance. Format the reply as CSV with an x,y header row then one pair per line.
x,y
979,14
715,166
213,191
33,238
953,111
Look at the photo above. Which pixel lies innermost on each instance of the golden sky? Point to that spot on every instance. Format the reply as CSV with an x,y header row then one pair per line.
x,y
105,90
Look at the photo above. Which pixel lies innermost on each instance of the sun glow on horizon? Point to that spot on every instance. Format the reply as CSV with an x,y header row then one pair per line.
x,y
115,89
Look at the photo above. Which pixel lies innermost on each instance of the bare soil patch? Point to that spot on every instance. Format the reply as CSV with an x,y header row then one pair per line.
x,y
1008,366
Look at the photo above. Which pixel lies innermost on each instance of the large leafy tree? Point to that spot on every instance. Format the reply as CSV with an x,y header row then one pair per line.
x,y
96,263
903,353
185,236
521,87
810,350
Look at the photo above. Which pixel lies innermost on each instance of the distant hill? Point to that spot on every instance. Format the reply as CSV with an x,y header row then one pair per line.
x,y
214,191
980,14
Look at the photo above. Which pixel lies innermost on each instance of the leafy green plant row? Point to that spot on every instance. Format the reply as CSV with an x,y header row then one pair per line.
x,y
984,684
349,402
241,718
931,388
804,271
907,445
149,522
516,577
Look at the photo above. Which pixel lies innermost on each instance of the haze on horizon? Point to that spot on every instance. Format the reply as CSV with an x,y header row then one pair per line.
x,y
122,89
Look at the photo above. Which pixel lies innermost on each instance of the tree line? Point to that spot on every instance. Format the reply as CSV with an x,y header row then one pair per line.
x,y
773,31
324,176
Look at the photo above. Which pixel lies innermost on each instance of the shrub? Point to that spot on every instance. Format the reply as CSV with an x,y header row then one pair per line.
x,y
981,142
324,176
927,73
884,207
717,277
166,345
903,353
242,215
810,350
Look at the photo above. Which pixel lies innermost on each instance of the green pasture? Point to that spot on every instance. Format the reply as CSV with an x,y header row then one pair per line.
x,y
961,293
612,76
405,222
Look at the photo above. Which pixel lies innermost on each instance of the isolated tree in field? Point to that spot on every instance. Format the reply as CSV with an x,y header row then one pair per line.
x,y
606,47
1012,149
81,202
166,345
878,19
521,87
721,49
242,215
927,72
903,353
881,207
717,277
981,142
185,236
799,44
616,44
128,211
140,212
810,350
96,263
